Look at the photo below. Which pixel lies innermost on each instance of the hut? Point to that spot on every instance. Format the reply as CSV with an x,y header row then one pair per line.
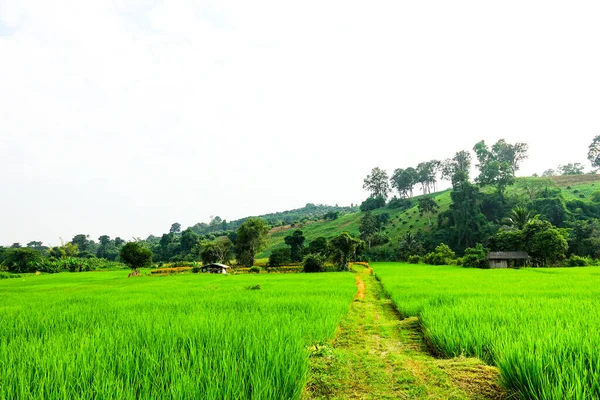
x,y
505,259
215,268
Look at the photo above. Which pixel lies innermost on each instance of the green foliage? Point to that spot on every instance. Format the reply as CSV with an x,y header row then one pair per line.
x,y
414,259
319,246
475,257
377,183
296,243
545,243
313,263
219,250
442,255
552,209
345,248
136,256
404,180
23,259
331,215
410,246
399,204
497,166
8,275
280,257
372,203
594,152
175,228
428,206
251,238
571,169
507,240
255,269
577,261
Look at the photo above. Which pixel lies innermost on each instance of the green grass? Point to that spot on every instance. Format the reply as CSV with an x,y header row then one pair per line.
x,y
541,327
101,335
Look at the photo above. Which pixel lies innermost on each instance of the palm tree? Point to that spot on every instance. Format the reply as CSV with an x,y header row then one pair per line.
x,y
519,217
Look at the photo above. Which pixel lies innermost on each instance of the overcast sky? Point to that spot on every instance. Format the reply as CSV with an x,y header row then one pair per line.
x,y
121,117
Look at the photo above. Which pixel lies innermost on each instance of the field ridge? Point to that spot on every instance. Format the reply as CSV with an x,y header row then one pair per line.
x,y
378,355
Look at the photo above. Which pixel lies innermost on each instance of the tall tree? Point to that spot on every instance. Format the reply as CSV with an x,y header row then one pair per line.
x,y
404,180
428,206
513,154
427,175
175,228
497,166
594,152
571,169
377,183
189,241
456,169
368,227
519,217
251,238
345,247
296,243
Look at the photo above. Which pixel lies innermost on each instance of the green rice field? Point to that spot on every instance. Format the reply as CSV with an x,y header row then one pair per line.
x,y
100,335
541,327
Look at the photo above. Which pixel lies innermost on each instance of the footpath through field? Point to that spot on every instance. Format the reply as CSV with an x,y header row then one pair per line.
x,y
378,355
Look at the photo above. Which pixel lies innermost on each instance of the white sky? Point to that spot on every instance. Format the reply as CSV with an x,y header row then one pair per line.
x,y
121,117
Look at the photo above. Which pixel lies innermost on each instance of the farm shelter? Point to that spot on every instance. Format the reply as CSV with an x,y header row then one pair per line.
x,y
215,268
505,259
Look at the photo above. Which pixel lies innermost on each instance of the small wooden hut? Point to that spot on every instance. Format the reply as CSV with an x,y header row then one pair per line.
x,y
215,268
505,259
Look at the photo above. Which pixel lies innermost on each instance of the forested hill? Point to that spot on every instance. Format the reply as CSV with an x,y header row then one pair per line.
x,y
559,199
309,212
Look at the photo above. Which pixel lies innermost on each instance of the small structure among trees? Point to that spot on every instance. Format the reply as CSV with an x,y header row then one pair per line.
x,y
504,259
215,268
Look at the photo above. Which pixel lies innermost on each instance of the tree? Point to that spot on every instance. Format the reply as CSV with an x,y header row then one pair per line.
x,y
441,256
377,183
404,180
476,257
549,172
189,241
319,246
368,227
280,257
456,169
594,152
219,250
136,256
533,187
428,206
296,243
426,175
497,166
544,242
251,238
345,249
175,228
372,203
519,217
571,169
82,242
313,263
331,215
409,246
23,259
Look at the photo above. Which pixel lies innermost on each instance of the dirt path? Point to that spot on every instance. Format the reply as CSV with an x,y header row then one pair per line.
x,y
377,355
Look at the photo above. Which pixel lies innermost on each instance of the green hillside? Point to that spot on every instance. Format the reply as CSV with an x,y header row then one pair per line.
x,y
577,187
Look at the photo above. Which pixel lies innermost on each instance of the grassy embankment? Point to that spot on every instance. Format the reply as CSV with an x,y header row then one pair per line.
x,y
541,327
100,335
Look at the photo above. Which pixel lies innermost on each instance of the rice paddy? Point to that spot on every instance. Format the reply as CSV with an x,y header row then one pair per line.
x,y
100,335
541,327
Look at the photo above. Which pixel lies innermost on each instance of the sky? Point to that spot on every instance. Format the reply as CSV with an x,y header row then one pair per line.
x,y
120,117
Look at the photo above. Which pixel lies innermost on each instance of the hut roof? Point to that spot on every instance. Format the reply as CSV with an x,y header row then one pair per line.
x,y
217,265
507,255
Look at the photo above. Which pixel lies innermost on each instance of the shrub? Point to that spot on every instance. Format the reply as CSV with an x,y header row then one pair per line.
x,y
255,269
8,275
280,257
460,261
595,197
476,257
372,203
577,261
582,196
442,255
196,269
396,203
414,259
568,187
576,191
313,263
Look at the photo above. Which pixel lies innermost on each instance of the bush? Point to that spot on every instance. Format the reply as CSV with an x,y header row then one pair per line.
x,y
576,191
280,257
442,255
8,275
396,203
414,259
476,257
595,197
460,261
577,261
254,269
372,203
313,263
582,196
196,269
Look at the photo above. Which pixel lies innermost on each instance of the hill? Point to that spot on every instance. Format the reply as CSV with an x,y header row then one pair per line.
x,y
402,221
